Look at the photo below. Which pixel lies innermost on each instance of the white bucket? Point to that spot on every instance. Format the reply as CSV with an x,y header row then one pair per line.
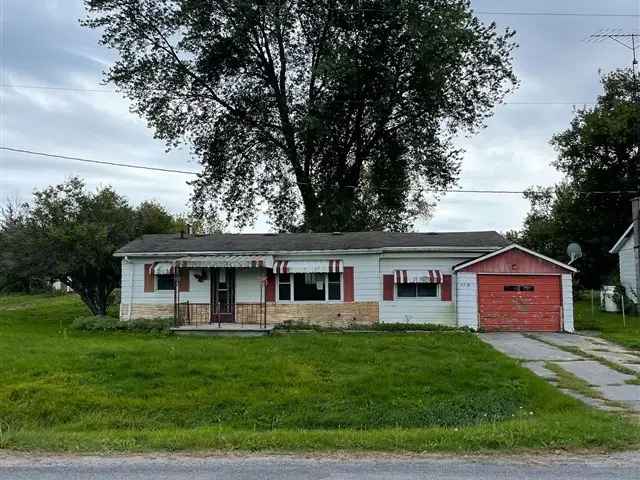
x,y
607,294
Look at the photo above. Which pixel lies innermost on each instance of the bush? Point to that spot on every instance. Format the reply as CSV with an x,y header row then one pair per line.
x,y
378,327
110,324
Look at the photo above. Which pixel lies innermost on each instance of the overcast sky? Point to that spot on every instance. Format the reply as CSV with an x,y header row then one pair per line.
x,y
42,44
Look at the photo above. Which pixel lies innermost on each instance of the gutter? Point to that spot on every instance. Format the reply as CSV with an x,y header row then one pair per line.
x,y
311,252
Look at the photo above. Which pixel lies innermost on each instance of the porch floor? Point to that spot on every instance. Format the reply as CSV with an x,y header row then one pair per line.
x,y
225,329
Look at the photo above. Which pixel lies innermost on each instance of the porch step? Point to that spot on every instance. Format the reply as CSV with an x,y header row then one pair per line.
x,y
224,330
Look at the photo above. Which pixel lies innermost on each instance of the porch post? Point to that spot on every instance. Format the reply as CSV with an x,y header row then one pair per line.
x,y
175,298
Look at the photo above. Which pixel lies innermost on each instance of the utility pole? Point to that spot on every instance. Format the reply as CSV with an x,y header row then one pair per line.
x,y
635,208
630,41
627,40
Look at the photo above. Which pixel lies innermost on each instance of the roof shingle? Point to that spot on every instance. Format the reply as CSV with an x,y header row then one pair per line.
x,y
289,242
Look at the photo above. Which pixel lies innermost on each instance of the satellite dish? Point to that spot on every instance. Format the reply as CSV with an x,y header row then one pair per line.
x,y
574,252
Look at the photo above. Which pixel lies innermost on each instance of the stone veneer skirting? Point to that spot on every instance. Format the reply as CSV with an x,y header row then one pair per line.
x,y
146,310
338,315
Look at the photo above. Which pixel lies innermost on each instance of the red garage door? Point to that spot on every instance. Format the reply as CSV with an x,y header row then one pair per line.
x,y
520,303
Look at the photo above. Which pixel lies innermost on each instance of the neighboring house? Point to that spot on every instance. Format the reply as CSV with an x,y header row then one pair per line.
x,y
473,279
58,286
625,250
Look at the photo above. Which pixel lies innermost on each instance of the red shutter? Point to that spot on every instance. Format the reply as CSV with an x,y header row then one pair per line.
x,y
270,289
149,280
445,289
387,287
184,280
347,278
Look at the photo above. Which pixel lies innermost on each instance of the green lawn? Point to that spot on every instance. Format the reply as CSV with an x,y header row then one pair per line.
x,y
610,324
64,390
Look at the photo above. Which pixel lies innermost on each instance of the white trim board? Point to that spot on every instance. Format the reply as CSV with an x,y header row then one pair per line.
x,y
616,248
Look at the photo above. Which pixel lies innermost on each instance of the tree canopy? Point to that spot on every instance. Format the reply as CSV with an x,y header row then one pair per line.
x,y
597,153
335,114
70,234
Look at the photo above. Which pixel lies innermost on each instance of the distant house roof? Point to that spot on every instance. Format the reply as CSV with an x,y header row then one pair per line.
x,y
621,241
302,242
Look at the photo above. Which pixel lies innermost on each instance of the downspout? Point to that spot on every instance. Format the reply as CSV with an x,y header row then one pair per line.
x,y
131,278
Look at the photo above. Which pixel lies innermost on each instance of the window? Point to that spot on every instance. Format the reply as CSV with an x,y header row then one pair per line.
x,y
413,290
284,286
519,288
333,280
165,281
309,287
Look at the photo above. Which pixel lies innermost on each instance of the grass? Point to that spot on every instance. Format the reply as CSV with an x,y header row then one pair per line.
x,y
68,390
609,324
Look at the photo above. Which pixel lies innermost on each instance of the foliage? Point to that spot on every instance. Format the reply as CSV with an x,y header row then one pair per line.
x,y
379,327
151,217
61,389
336,115
597,153
98,323
70,234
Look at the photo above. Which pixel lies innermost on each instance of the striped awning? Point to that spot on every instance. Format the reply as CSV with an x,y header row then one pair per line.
x,y
228,261
163,268
307,266
415,276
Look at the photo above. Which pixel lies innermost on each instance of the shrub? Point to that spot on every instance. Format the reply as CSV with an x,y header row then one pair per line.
x,y
378,327
106,324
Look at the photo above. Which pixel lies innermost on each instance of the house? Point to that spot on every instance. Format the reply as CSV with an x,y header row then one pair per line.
x,y
473,279
627,261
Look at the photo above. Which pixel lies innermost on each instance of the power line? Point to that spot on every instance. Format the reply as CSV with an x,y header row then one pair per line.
x,y
557,14
187,172
90,90
69,89
99,162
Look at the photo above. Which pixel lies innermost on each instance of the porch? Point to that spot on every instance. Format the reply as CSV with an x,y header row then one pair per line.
x,y
218,294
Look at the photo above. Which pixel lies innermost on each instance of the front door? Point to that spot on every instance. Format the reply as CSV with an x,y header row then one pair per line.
x,y
223,295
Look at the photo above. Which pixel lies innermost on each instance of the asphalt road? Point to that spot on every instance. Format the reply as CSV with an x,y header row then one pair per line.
x,y
619,466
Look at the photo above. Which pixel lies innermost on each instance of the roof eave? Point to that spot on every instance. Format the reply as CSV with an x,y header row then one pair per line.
x,y
312,252
621,241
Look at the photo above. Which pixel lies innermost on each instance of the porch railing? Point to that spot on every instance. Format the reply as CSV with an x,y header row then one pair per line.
x,y
196,314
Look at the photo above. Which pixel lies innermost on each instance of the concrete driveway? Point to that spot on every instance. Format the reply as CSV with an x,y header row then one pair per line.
x,y
609,369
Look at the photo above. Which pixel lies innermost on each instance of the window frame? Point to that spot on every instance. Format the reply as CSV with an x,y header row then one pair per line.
x,y
326,290
421,298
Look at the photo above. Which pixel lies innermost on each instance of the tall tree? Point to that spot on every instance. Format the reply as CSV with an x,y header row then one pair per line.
x,y
70,234
597,153
338,115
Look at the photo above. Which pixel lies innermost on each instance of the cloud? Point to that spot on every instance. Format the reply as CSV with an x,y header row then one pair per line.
x,y
43,44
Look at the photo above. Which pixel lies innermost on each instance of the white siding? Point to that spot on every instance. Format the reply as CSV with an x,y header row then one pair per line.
x,y
467,299
247,282
567,302
198,291
627,267
249,285
418,310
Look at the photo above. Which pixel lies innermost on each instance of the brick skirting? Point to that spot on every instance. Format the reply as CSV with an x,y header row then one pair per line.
x,y
145,310
338,315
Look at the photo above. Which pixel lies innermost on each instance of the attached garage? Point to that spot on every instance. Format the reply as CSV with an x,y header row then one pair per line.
x,y
515,289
